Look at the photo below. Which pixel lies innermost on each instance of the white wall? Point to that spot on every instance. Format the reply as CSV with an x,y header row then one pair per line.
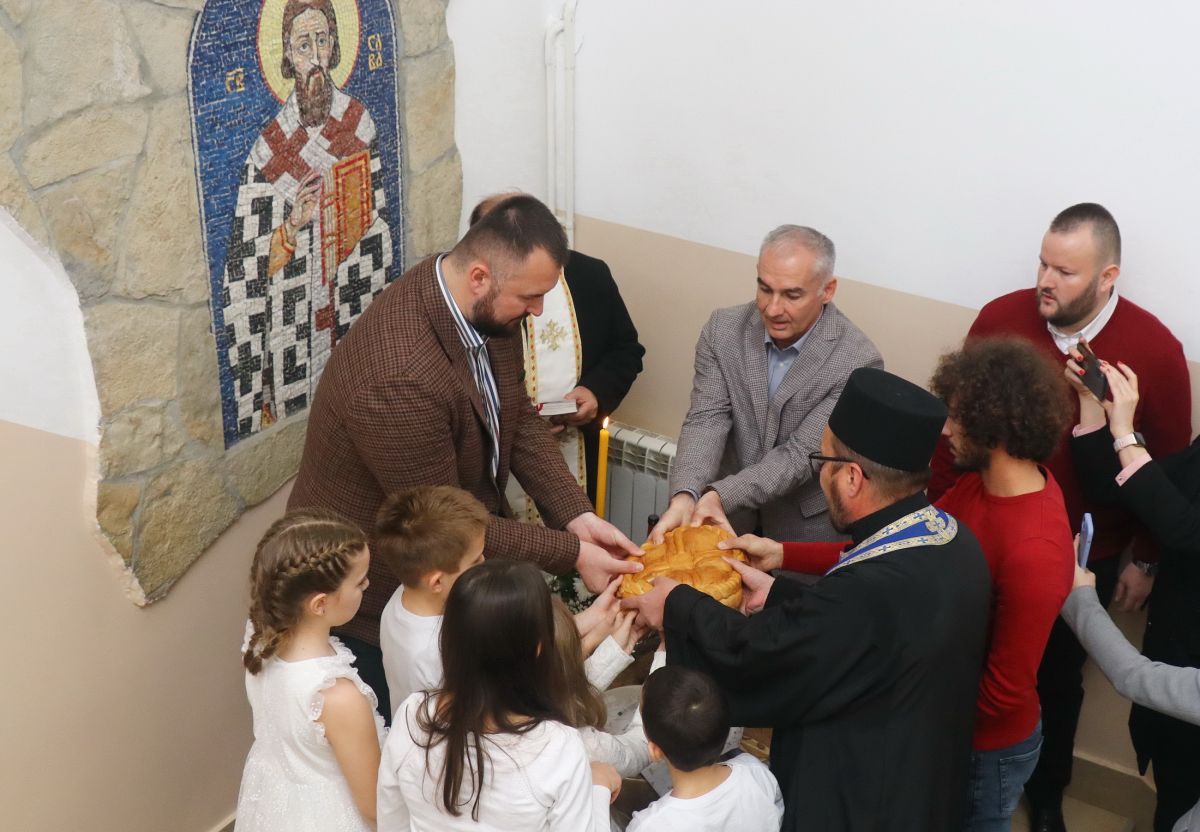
x,y
46,377
933,141
500,106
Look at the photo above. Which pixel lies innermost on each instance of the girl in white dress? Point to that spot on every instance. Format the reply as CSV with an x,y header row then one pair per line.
x,y
315,757
491,750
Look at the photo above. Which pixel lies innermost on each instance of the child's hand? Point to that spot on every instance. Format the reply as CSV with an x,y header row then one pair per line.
x,y
602,608
601,631
626,633
605,775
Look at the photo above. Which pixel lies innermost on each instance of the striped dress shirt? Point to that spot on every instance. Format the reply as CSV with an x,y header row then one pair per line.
x,y
481,366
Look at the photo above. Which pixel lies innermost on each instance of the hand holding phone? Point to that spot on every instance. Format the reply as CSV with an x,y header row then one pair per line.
x,y
1093,377
1087,531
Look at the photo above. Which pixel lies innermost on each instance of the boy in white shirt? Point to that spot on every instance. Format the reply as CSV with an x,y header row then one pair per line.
x,y
686,720
428,536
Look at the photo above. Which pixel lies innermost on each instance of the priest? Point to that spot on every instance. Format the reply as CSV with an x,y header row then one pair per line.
x,y
868,677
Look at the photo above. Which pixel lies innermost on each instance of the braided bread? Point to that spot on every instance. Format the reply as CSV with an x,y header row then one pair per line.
x,y
690,556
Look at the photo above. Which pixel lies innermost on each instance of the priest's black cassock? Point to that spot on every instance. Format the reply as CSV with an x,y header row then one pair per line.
x,y
869,678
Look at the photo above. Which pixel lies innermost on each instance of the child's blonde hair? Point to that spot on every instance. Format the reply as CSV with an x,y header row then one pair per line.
x,y
304,552
579,699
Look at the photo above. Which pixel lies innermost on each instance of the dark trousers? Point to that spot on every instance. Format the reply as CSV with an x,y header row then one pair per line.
x,y
1177,780
1060,689
369,663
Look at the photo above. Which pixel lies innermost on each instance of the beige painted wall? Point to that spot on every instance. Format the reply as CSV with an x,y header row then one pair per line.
x,y
114,718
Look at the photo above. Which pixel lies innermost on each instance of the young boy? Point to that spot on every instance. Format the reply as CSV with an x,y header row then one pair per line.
x,y
428,536
686,720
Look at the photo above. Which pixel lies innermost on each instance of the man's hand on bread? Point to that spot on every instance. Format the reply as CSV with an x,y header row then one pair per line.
x,y
756,586
764,554
649,607
678,513
710,512
602,551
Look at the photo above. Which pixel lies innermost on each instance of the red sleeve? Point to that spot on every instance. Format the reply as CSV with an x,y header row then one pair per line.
x,y
1029,587
811,558
1164,418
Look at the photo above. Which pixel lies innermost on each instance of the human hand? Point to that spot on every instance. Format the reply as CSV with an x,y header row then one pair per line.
x,y
678,513
764,554
649,607
603,606
756,586
599,633
710,512
597,567
1133,588
591,529
627,633
1123,387
587,405
606,776
1083,577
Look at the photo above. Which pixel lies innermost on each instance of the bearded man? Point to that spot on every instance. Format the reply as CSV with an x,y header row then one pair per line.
x,y
310,247
1075,299
428,389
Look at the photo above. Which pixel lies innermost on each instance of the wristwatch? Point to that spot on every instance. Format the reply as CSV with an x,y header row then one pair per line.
x,y
1147,569
1129,440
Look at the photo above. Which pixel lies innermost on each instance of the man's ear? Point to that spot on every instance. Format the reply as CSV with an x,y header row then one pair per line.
x,y
828,291
479,277
1108,277
656,753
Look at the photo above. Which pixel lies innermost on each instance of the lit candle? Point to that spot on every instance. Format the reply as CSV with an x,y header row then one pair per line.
x,y
602,469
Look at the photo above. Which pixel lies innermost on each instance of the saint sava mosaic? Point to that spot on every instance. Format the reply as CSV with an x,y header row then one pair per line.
x,y
294,109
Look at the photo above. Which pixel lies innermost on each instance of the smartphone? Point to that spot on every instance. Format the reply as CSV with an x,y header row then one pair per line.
x,y
1087,530
1093,377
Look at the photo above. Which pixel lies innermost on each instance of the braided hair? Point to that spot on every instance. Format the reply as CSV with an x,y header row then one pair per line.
x,y
304,552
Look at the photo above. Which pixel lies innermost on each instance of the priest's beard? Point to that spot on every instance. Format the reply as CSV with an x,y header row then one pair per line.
x,y
314,94
837,512
483,317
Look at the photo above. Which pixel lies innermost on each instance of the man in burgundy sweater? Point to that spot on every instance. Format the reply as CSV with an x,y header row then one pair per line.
x,y
1008,406
1076,297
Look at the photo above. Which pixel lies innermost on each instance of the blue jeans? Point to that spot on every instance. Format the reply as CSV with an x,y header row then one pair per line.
x,y
997,778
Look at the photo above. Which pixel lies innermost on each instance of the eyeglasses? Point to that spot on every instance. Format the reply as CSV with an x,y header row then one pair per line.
x,y
815,461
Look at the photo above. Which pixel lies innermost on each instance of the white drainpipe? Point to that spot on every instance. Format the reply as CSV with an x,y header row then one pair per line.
x,y
560,120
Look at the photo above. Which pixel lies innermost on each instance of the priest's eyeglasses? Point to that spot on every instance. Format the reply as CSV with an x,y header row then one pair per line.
x,y
815,461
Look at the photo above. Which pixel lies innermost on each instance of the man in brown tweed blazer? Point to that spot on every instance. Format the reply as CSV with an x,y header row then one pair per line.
x,y
768,374
427,389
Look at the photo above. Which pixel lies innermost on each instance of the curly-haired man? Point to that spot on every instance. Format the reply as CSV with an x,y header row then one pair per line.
x,y
1008,407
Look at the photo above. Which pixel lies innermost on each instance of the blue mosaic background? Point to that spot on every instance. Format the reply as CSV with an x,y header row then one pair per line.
x,y
225,125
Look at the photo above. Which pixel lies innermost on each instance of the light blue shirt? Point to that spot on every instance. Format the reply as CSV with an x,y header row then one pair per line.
x,y
779,361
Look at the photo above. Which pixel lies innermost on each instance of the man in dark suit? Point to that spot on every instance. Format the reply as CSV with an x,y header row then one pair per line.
x,y
426,389
868,677
611,353
767,376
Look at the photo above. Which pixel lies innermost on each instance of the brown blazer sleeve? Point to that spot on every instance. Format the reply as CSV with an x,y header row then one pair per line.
x,y
403,430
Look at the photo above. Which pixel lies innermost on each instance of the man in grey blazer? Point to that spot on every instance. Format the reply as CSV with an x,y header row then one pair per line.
x,y
767,376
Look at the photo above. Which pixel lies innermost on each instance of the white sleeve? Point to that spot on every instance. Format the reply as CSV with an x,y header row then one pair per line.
x,y
606,663
626,752
579,806
392,813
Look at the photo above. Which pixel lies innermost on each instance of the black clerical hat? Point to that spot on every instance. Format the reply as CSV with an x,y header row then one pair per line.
x,y
888,420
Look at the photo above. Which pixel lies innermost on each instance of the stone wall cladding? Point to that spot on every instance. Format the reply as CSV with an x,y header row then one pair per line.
x,y
97,164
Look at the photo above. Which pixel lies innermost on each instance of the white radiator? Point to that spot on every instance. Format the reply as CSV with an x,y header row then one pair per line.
x,y
639,463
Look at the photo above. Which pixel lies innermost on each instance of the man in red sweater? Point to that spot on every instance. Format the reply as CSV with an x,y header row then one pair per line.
x,y
1008,405
1076,297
